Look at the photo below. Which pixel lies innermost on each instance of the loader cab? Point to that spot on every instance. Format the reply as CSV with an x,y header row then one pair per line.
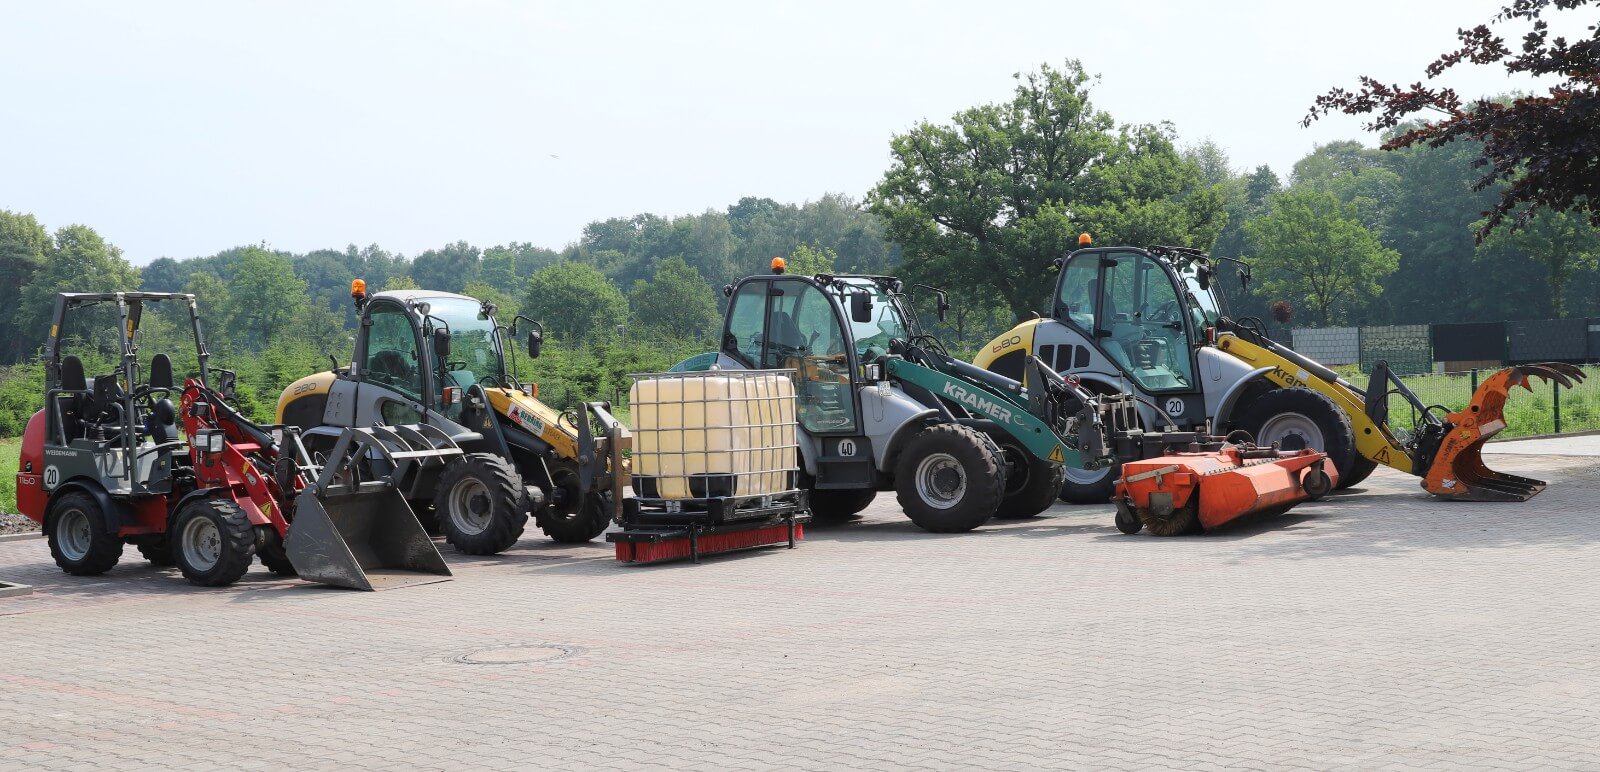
x,y
425,351
1138,310
822,327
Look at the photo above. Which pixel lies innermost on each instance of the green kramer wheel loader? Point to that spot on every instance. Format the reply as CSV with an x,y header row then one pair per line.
x,y
884,407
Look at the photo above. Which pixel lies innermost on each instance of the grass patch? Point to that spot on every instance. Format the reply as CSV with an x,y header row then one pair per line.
x,y
10,453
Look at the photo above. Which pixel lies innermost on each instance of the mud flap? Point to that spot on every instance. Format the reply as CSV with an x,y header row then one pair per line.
x,y
362,534
1458,471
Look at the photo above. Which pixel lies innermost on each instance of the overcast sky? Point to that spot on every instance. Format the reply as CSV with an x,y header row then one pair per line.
x,y
178,129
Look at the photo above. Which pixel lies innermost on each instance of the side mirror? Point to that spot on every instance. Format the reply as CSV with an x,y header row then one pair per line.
x,y
1244,279
441,343
860,307
1202,277
535,343
228,385
943,306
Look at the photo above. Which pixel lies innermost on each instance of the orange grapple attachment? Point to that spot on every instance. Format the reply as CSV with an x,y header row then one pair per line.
x,y
1458,471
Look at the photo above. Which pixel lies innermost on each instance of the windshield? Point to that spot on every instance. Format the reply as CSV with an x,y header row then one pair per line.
x,y
872,338
1202,303
474,346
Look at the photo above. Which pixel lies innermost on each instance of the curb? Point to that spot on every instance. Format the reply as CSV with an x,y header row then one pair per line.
x,y
19,537
1585,433
12,590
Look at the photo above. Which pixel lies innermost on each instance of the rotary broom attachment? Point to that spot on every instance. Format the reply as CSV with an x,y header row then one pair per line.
x,y
1457,470
714,466
1200,483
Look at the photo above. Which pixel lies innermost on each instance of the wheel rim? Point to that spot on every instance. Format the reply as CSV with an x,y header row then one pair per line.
x,y
73,534
1292,431
202,543
471,509
941,481
1078,476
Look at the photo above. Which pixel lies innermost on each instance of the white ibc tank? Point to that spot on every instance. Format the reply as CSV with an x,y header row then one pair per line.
x,y
713,433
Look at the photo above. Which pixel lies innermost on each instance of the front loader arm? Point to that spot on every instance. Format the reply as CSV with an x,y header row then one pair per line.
x,y
1009,411
1374,440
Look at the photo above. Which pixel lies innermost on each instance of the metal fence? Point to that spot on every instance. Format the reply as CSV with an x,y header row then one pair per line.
x,y
1443,364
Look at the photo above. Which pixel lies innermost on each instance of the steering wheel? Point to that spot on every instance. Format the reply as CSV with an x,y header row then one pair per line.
x,y
390,364
1166,312
454,366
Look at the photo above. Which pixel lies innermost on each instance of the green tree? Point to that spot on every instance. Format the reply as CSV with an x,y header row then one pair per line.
x,y
78,260
574,301
987,201
1313,249
1562,242
23,245
265,297
447,269
810,261
677,303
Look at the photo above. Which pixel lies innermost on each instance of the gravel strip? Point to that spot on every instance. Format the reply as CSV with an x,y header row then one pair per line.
x,y
16,524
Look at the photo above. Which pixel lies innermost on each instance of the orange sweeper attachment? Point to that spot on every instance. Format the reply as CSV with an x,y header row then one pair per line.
x,y
1193,482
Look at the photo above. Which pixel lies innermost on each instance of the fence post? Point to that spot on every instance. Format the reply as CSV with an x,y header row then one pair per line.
x,y
1474,380
1555,389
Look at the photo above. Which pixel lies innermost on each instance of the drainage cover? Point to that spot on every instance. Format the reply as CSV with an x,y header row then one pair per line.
x,y
518,654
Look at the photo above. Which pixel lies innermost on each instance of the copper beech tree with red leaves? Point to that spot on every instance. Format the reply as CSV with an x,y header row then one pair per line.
x,y
1544,148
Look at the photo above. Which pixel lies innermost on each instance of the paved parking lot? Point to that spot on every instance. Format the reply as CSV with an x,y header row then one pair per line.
x,y
1378,629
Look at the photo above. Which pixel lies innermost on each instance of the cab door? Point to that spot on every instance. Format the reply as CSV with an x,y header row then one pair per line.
x,y
390,368
790,323
1126,303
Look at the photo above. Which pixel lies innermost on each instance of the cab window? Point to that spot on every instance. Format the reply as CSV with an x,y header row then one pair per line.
x,y
1080,289
747,322
1143,321
392,359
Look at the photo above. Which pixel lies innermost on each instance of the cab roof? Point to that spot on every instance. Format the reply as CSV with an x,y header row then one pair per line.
x,y
407,295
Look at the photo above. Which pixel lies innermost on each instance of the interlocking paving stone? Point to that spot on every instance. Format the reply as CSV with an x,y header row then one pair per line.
x,y
1379,629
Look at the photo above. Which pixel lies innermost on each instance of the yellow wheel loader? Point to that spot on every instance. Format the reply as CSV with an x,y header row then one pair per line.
x,y
439,359
1148,322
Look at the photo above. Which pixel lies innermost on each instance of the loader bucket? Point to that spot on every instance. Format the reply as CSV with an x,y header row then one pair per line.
x,y
353,528
1458,471
369,540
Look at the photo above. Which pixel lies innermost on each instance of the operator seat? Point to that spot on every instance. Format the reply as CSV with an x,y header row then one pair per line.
x,y
783,332
162,422
69,400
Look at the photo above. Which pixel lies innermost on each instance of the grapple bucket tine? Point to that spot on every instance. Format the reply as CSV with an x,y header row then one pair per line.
x,y
361,533
1458,470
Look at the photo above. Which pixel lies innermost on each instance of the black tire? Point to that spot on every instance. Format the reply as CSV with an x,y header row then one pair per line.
x,y
426,516
1360,470
1126,521
959,461
583,517
213,542
1089,486
834,505
156,549
489,512
1032,483
1289,413
78,537
270,552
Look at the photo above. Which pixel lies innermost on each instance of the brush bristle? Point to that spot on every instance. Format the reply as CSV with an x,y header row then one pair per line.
x,y
710,544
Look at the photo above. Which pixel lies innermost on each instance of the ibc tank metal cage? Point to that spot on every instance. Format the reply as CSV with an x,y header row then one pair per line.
x,y
714,447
